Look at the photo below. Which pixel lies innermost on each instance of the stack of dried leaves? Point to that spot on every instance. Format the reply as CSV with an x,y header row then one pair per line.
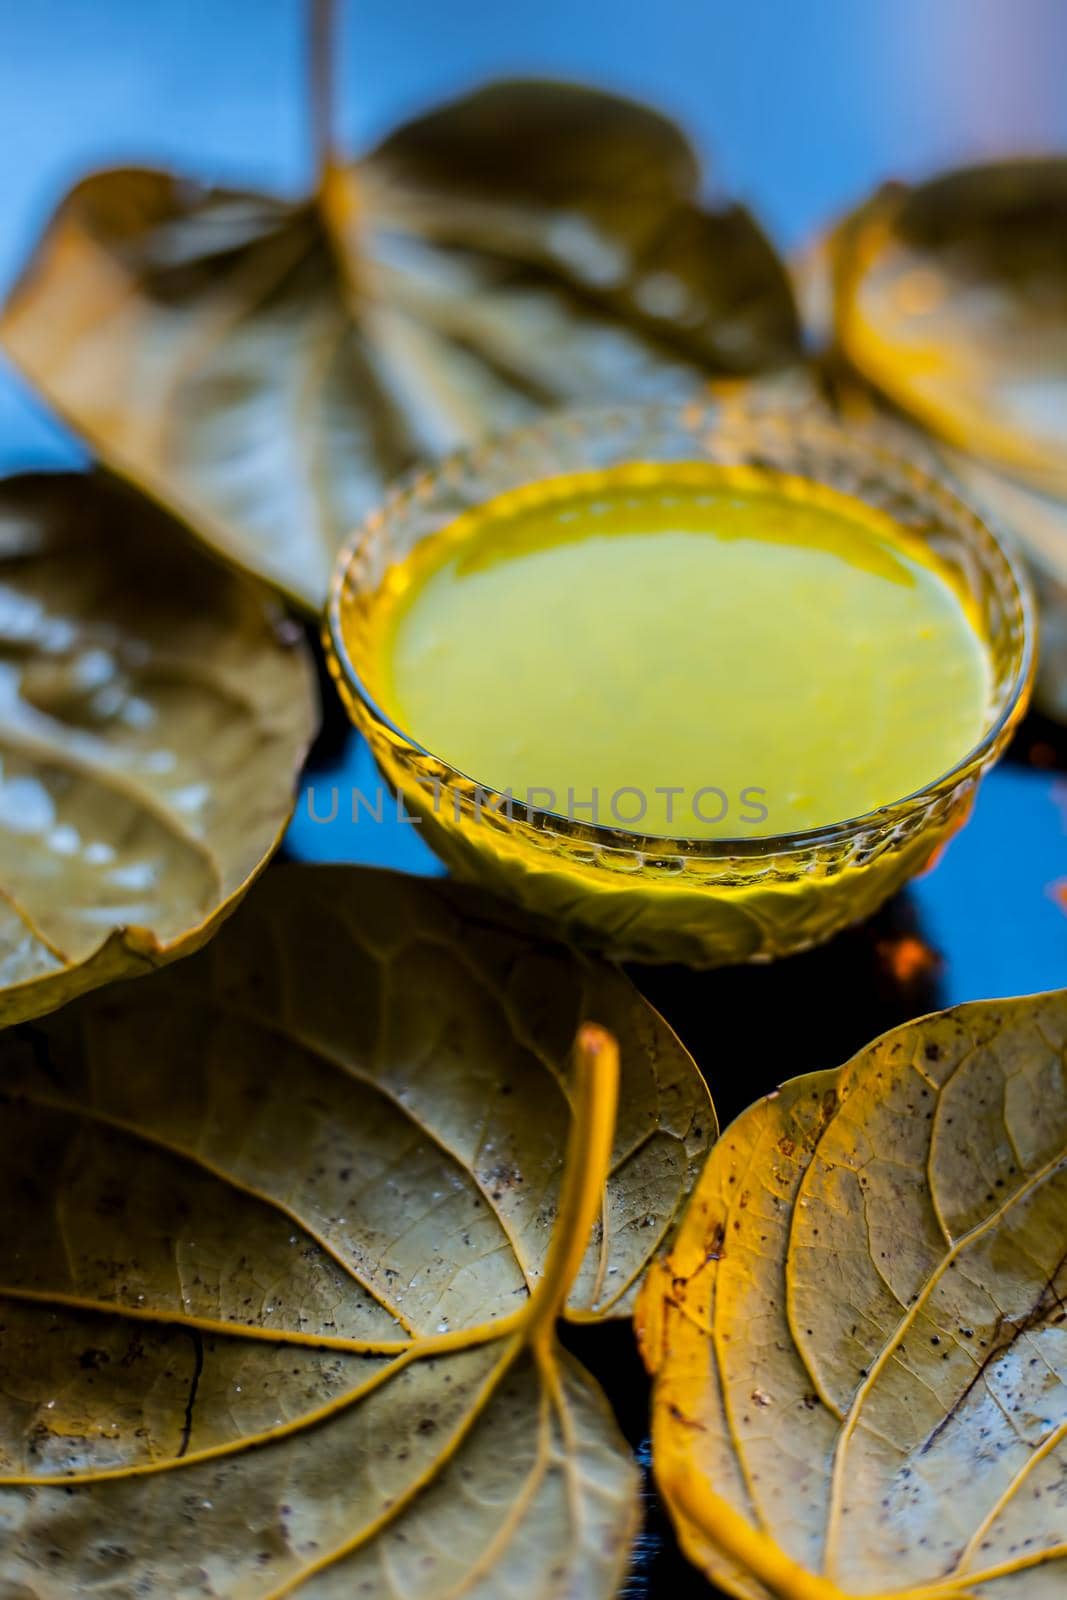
x,y
289,1227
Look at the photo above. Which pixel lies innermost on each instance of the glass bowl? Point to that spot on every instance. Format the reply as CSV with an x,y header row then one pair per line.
x,y
704,902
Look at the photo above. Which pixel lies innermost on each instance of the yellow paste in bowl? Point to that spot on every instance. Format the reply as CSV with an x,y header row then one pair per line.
x,y
684,650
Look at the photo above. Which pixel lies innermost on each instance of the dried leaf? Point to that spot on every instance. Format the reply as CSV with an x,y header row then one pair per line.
x,y
951,299
293,1230
265,369
859,1336
155,714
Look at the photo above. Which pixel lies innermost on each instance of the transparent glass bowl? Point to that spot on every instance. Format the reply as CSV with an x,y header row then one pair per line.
x,y
705,902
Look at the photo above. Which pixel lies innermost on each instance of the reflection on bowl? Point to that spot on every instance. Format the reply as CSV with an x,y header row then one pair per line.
x,y
705,901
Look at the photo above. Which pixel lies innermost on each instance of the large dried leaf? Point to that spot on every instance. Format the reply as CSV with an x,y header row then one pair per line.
x,y
265,371
859,1337
951,299
287,1228
154,716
